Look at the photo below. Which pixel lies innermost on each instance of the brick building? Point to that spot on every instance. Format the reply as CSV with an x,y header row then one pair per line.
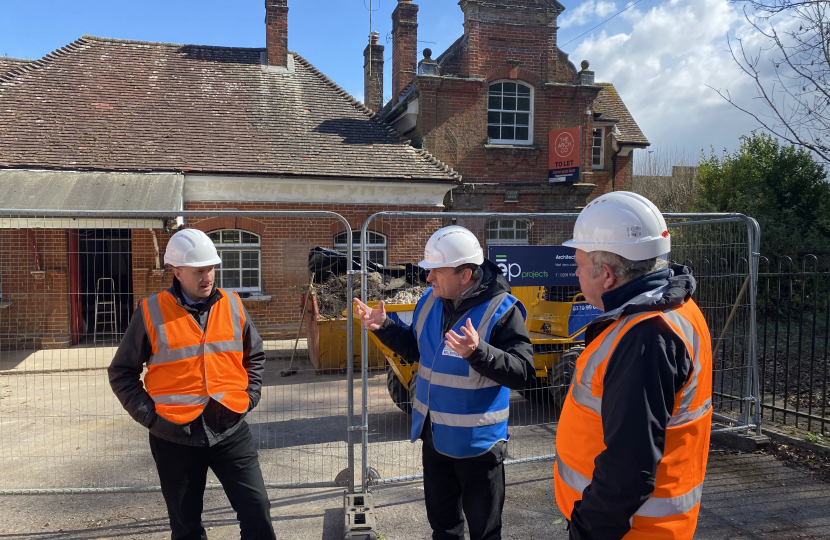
x,y
115,125
487,104
105,124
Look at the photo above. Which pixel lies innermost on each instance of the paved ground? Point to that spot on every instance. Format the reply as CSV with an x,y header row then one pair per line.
x,y
746,497
60,426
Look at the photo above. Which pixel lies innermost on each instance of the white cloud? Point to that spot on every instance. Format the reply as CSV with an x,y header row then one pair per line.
x,y
664,65
585,12
605,8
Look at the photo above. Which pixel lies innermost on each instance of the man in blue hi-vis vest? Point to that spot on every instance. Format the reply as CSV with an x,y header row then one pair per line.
x,y
468,335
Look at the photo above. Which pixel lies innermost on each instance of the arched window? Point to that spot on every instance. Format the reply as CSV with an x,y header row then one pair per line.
x,y
240,252
510,113
376,246
508,232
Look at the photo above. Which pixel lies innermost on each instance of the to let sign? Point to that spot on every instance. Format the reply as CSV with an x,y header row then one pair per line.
x,y
565,153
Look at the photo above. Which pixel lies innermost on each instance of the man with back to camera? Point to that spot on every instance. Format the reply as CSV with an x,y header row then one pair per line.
x,y
633,438
469,337
204,373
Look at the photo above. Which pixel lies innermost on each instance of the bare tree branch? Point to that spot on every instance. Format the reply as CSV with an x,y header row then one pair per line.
x,y
796,97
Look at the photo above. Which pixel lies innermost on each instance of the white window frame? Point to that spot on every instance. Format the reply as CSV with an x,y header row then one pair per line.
x,y
501,225
601,164
514,141
241,248
339,244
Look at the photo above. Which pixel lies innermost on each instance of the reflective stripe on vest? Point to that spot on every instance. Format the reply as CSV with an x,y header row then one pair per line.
x,y
679,479
653,507
191,366
455,395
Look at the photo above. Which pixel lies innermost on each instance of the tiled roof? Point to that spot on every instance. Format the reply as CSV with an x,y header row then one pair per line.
x,y
115,105
7,64
611,107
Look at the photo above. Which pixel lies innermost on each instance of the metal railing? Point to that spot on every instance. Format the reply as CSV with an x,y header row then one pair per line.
x,y
794,328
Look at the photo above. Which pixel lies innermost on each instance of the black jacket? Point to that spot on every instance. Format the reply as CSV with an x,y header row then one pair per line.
x,y
647,368
508,357
216,422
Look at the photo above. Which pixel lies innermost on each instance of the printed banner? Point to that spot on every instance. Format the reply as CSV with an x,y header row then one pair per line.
x,y
565,155
533,266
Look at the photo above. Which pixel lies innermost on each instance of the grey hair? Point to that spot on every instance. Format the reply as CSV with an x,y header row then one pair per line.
x,y
624,269
476,269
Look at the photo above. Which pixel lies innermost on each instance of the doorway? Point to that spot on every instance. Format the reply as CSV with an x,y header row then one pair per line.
x,y
106,284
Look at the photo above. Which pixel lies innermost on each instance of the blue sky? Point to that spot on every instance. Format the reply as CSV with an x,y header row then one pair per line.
x,y
661,54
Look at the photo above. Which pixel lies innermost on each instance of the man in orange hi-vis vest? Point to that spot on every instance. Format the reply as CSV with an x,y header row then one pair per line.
x,y
204,363
633,438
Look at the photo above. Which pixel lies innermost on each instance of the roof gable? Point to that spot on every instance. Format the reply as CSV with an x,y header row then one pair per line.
x,y
611,107
117,105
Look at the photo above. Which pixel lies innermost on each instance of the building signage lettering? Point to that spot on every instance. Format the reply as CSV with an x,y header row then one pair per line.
x,y
565,155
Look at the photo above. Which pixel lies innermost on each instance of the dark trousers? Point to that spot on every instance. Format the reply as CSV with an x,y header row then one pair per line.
x,y
183,474
474,485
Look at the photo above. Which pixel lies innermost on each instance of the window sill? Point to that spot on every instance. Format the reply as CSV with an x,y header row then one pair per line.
x,y
510,146
507,242
6,305
256,297
600,169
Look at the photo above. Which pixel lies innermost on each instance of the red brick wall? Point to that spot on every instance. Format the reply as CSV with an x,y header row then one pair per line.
x,y
39,313
507,44
284,251
507,36
453,124
39,316
276,32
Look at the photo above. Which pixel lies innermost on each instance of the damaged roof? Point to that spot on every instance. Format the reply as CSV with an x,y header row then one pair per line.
x,y
611,108
118,105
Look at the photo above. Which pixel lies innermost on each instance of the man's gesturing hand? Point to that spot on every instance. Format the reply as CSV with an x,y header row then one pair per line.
x,y
466,344
372,318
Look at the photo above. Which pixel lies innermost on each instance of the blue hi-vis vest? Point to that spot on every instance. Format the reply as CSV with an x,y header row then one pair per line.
x,y
468,410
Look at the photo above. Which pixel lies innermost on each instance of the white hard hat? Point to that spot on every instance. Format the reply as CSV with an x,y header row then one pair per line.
x,y
451,247
624,223
191,247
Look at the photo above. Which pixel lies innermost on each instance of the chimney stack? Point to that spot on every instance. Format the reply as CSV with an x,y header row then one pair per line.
x,y
276,32
373,74
404,45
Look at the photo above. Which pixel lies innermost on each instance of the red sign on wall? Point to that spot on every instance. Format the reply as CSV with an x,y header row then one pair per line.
x,y
565,155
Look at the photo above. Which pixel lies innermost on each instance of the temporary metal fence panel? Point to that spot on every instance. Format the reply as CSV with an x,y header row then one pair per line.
x,y
723,255
794,325
69,282
721,249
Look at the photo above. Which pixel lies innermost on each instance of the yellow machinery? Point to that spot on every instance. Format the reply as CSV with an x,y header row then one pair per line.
x,y
556,321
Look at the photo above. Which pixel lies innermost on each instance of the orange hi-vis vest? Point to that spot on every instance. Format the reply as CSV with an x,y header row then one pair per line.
x,y
189,367
671,511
